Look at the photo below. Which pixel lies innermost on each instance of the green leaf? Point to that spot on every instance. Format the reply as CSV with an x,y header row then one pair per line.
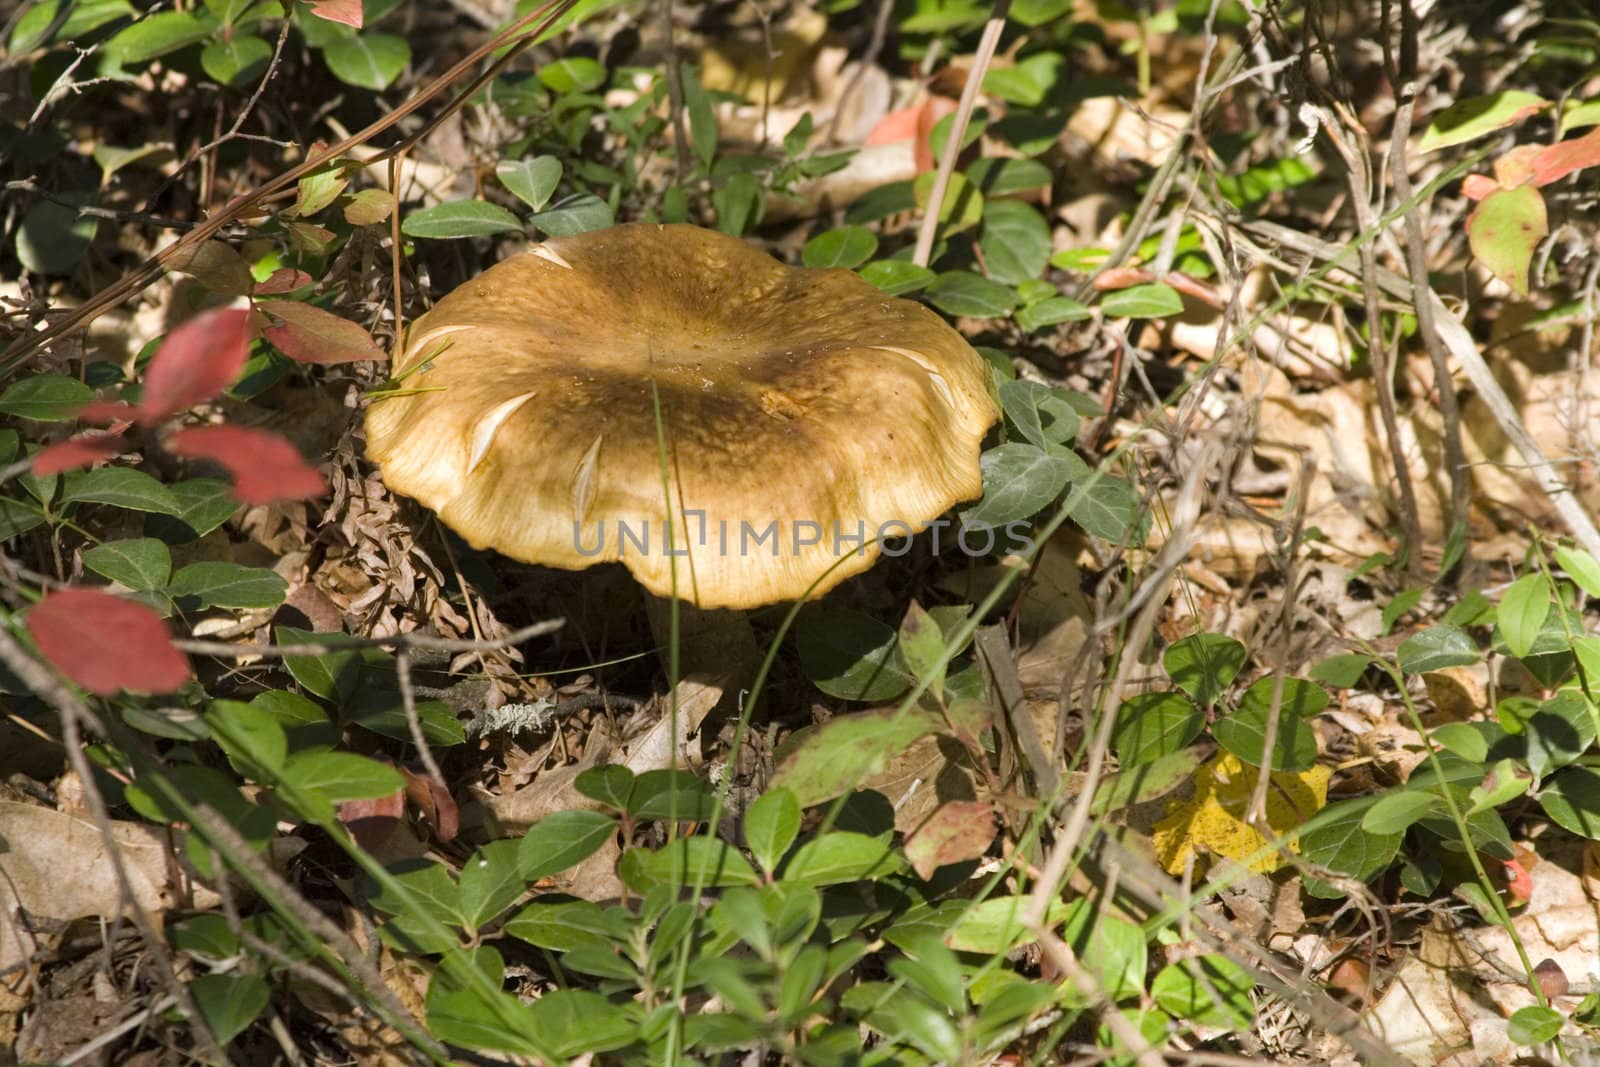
x,y
1244,733
702,119
367,60
1469,119
1105,506
236,61
564,925
383,711
229,585
770,826
1153,300
1019,481
1436,648
1210,990
203,505
1582,568
460,218
961,292
156,35
332,675
341,776
1534,1025
1152,725
533,181
668,793
1395,811
850,655
578,213
121,487
254,743
1112,948
490,881
1337,841
847,246
574,1022
1051,312
229,1002
702,861
995,925
1572,799
474,1017
1342,671
1522,612
54,237
45,398
1504,231
1204,665
897,276
825,761
560,841
997,176
838,857
738,204
1560,730
1300,698
879,203
1042,415
574,74
610,784
1015,241
140,563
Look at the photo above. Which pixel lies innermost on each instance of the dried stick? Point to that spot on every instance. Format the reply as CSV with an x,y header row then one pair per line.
x,y
958,129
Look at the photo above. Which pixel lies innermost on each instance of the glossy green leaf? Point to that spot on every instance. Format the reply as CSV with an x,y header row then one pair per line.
x,y
121,487
960,292
229,1002
1204,665
228,585
825,761
847,247
460,218
1152,725
850,655
1435,649
140,563
1019,481
533,181
1469,119
1153,300
578,213
45,397
771,825
367,60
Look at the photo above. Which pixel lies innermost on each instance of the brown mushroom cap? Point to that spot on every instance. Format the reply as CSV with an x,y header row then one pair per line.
x,y
802,398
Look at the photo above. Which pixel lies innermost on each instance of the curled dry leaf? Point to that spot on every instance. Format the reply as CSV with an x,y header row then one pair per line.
x,y
106,644
308,334
265,467
77,452
434,800
197,361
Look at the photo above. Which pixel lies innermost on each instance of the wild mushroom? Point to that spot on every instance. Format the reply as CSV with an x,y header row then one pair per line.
x,y
790,417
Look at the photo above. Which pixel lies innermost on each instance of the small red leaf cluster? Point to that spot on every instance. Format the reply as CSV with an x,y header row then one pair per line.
x,y
106,644
195,363
1536,165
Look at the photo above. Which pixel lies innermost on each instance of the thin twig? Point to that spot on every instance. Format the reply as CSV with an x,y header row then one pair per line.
x,y
958,129
24,185
400,642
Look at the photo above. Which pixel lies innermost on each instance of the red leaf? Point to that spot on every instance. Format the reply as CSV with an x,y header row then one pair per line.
x,y
1478,186
265,467
106,644
77,452
282,280
108,412
437,805
1560,160
1121,278
197,361
913,123
308,334
371,822
345,11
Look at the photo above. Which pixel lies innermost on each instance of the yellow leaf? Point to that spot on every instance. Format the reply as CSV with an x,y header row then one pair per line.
x,y
1213,820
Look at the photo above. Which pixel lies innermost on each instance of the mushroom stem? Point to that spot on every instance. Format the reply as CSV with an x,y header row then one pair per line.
x,y
715,647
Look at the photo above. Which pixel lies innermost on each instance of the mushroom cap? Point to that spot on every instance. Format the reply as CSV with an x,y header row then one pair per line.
x,y
790,415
